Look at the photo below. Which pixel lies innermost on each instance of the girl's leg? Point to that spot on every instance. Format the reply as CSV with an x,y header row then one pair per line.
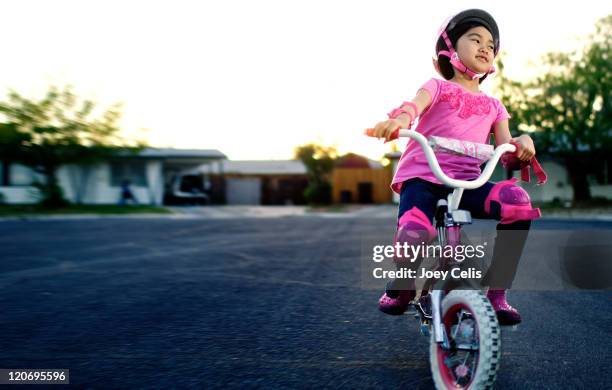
x,y
510,205
417,206
421,194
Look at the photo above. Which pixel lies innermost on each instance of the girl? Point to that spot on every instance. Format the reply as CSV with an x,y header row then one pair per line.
x,y
455,108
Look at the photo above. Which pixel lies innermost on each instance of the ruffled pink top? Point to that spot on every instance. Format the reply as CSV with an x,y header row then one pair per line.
x,y
456,113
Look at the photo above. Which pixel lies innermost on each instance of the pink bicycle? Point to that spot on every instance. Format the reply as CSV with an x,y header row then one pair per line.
x,y
465,347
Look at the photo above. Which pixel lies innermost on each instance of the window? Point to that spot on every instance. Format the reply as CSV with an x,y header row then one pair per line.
x,y
133,171
20,175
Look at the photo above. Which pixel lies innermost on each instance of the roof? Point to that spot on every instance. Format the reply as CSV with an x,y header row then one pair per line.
x,y
265,167
352,160
182,153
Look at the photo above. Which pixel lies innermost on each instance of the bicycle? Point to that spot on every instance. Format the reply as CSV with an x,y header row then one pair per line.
x,y
465,335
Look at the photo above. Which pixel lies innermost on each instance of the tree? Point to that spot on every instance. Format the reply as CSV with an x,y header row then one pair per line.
x,y
568,108
58,129
319,161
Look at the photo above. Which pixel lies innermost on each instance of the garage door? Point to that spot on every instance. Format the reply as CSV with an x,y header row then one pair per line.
x,y
243,191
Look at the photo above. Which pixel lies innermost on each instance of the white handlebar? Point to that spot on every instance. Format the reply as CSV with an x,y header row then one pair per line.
x,y
437,171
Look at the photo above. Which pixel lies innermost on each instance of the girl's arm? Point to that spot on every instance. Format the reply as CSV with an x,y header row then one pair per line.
x,y
384,129
526,148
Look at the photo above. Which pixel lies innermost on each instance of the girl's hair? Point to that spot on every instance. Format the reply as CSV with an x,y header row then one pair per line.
x,y
447,70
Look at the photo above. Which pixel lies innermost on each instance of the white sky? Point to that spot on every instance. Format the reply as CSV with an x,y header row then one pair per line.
x,y
256,78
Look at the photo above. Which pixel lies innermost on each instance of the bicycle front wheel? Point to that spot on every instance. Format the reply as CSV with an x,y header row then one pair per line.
x,y
473,356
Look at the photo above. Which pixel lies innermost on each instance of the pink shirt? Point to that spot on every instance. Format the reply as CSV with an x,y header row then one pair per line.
x,y
456,113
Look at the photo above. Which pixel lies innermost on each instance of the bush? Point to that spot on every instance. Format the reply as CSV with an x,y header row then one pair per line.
x,y
318,193
2,198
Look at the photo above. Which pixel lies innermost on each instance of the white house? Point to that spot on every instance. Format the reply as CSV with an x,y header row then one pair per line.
x,y
149,172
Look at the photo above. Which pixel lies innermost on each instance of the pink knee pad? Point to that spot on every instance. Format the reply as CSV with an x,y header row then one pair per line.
x,y
513,200
414,228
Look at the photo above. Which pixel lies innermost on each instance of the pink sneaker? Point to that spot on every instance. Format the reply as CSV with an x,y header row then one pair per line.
x,y
395,302
506,314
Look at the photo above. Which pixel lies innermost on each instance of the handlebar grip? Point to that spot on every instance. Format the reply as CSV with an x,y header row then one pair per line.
x,y
395,135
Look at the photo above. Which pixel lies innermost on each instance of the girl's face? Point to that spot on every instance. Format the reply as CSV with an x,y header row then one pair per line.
x,y
476,48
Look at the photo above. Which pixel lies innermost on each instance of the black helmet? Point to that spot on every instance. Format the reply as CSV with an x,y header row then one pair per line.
x,y
451,30
471,17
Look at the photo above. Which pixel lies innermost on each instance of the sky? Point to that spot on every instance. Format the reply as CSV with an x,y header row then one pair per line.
x,y
255,79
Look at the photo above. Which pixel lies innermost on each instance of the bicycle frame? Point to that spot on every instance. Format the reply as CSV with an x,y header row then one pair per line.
x,y
451,228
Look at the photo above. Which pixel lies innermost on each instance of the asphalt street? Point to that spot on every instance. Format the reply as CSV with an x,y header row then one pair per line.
x,y
254,303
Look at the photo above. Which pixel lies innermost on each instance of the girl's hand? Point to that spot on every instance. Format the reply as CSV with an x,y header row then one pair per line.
x,y
526,149
386,128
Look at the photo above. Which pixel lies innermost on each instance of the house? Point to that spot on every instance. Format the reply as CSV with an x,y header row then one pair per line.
x,y
272,182
357,179
149,173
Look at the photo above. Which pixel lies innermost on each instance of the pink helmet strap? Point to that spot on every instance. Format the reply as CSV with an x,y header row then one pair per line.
x,y
456,61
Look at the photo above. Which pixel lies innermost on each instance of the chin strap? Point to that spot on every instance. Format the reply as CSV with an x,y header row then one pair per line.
x,y
456,61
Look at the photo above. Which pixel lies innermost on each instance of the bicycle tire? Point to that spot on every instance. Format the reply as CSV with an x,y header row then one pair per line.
x,y
489,342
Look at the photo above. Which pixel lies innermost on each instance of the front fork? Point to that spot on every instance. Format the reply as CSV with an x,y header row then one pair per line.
x,y
449,233
436,317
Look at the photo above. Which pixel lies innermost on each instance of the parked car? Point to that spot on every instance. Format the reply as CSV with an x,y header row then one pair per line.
x,y
188,189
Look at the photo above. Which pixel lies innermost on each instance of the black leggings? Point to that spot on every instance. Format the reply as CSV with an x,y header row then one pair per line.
x,y
510,238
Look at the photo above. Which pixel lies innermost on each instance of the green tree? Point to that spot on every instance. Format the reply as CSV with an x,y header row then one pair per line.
x,y
568,108
58,129
319,161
